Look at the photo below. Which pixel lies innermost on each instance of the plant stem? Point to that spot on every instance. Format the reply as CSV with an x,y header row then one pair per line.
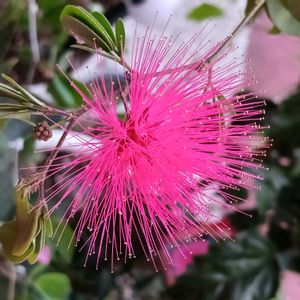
x,y
52,157
252,13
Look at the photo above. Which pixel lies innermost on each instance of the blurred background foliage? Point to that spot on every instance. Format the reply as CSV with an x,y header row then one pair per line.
x,y
263,261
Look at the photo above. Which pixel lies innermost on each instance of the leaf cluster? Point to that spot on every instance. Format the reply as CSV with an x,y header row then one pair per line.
x,y
24,237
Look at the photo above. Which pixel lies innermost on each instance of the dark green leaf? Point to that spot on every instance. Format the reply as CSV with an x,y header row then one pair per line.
x,y
53,286
266,197
283,18
120,36
205,11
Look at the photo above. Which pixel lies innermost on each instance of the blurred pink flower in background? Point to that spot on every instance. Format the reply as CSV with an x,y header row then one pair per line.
x,y
274,59
45,255
290,285
181,263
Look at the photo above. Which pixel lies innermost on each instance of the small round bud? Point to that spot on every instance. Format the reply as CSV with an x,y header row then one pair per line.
x,y
42,131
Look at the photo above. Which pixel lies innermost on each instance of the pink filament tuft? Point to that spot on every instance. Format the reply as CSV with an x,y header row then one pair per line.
x,y
148,177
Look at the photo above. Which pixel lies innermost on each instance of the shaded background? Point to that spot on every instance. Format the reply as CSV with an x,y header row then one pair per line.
x,y
264,261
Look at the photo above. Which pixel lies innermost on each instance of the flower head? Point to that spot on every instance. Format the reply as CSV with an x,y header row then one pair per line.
x,y
148,175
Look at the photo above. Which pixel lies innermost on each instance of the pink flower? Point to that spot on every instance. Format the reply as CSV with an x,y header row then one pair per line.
x,y
45,256
184,133
274,60
290,285
197,248
182,262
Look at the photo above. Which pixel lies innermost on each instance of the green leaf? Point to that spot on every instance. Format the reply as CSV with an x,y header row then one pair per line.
x,y
40,239
283,18
8,92
24,116
63,93
120,36
205,11
26,223
91,22
38,243
48,227
53,286
105,23
83,34
23,91
266,197
8,234
62,245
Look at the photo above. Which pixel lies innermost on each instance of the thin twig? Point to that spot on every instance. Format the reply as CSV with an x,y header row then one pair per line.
x,y
196,65
252,13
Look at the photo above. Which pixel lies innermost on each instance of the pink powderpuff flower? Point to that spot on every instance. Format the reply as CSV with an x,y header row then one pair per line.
x,y
183,133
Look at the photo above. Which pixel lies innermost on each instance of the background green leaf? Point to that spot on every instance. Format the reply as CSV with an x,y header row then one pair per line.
x,y
205,11
53,286
245,269
283,18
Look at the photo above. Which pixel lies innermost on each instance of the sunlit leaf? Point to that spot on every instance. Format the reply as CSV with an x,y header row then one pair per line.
x,y
205,11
